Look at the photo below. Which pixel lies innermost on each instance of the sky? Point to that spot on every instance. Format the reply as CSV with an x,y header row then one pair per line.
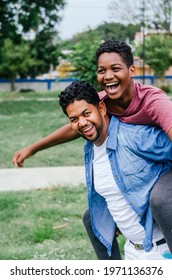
x,y
79,15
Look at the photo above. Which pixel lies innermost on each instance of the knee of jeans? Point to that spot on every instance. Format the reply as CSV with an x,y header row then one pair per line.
x,y
86,217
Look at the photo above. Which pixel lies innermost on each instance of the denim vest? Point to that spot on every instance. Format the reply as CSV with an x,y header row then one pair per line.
x,y
139,155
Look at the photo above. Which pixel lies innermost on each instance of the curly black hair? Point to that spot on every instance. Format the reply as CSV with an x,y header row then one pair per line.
x,y
119,47
78,90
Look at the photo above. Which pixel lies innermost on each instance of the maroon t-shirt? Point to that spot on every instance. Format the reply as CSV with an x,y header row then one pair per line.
x,y
150,106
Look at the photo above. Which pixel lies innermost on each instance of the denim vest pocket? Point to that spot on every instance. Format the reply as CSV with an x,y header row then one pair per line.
x,y
137,174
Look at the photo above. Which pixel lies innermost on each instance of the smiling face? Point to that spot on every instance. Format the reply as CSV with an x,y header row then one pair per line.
x,y
115,77
89,121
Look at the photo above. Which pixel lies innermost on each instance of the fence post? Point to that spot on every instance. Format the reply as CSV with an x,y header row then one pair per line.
x,y
49,84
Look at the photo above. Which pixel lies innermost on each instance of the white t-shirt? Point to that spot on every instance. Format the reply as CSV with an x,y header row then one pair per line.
x,y
125,217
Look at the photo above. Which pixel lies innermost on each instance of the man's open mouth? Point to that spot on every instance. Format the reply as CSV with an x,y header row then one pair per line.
x,y
88,130
112,86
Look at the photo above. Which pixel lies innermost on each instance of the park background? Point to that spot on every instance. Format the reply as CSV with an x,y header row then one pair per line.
x,y
35,64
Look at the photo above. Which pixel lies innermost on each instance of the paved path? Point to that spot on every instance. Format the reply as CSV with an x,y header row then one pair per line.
x,y
16,179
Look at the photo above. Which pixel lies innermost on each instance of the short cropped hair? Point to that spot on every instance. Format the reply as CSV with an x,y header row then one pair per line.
x,y
119,47
78,90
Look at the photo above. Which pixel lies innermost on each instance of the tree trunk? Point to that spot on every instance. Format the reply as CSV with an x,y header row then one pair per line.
x,y
12,84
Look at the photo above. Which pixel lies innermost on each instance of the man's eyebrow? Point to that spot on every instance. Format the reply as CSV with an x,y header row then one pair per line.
x,y
71,117
113,64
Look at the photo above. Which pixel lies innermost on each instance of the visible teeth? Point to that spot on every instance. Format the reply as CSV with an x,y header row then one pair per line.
x,y
86,129
112,84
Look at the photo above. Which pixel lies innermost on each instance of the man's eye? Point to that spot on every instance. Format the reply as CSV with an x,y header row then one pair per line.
x,y
116,69
100,71
73,120
86,114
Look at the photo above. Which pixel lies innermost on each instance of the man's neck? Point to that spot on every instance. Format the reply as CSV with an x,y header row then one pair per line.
x,y
104,132
119,106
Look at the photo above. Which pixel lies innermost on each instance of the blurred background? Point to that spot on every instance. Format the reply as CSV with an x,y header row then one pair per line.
x,y
46,44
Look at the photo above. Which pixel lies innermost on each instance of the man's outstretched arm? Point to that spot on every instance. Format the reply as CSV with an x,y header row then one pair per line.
x,y
62,135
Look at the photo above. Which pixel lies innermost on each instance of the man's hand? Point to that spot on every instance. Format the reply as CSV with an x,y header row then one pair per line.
x,y
118,232
20,156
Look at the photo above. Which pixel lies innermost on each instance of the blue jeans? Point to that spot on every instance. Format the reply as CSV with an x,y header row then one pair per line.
x,y
99,248
161,204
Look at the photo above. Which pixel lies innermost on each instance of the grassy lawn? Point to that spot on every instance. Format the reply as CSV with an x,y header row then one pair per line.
x,y
27,117
44,225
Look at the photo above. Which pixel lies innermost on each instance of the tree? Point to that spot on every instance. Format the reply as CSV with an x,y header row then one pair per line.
x,y
162,15
15,60
156,14
117,31
19,17
42,50
110,30
158,54
83,58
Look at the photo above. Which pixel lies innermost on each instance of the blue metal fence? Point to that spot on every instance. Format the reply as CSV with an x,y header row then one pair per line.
x,y
152,79
48,82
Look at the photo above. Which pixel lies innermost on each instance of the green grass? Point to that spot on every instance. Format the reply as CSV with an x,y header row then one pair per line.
x,y
44,224
24,119
29,95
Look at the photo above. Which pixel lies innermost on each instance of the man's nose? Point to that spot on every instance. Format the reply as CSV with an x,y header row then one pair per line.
x,y
109,75
82,121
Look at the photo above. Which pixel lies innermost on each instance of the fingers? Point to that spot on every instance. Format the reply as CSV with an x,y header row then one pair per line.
x,y
118,232
20,156
18,160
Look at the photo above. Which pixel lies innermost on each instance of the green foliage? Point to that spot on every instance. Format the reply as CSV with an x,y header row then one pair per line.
x,y
117,31
166,87
42,51
15,59
84,60
19,17
158,53
29,58
105,31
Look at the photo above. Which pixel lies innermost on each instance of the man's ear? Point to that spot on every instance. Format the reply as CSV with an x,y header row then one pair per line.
x,y
102,108
132,71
